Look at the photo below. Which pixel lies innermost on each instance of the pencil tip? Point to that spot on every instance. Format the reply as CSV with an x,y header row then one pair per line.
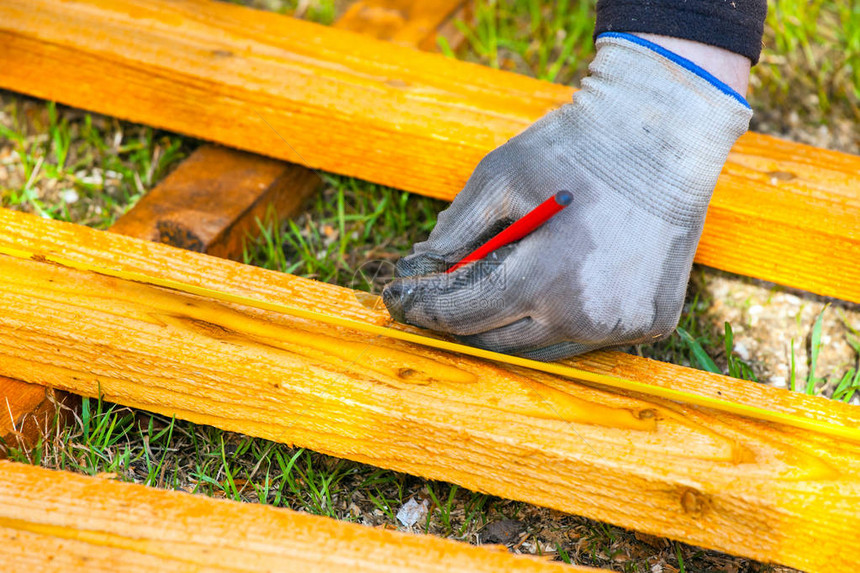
x,y
564,198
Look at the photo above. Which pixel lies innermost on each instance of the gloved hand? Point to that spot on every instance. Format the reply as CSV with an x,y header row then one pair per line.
x,y
640,148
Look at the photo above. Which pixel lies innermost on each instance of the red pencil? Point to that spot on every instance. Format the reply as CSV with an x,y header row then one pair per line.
x,y
519,228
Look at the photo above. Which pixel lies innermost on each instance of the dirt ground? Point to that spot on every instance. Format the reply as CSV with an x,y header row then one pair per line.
x,y
769,320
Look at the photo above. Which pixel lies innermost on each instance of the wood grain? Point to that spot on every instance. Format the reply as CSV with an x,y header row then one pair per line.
x,y
58,521
782,211
714,480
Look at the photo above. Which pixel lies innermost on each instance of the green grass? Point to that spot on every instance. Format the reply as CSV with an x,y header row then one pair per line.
x,y
811,60
351,234
320,11
75,166
154,450
681,568
134,446
838,385
701,358
547,40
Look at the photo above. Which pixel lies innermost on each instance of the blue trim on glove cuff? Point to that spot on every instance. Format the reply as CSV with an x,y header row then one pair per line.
x,y
681,61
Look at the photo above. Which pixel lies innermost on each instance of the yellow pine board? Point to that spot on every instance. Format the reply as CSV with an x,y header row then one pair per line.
x,y
59,521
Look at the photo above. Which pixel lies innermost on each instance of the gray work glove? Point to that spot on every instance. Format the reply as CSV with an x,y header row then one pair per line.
x,y
640,148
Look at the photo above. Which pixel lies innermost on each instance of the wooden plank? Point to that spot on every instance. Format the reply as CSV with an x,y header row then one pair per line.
x,y
59,521
410,23
26,413
20,402
782,211
715,480
212,202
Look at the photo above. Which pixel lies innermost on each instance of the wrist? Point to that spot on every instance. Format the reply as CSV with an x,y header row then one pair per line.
x,y
730,68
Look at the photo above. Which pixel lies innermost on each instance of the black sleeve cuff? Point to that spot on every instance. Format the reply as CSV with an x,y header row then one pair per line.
x,y
735,25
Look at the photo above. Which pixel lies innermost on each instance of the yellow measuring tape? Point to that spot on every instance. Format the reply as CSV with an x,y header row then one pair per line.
x,y
833,430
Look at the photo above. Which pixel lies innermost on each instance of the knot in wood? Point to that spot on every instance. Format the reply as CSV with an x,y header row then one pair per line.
x,y
694,502
646,414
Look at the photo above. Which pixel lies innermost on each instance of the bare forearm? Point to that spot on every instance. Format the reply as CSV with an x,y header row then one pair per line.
x,y
730,68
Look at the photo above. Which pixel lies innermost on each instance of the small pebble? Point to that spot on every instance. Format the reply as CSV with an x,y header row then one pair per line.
x,y
69,196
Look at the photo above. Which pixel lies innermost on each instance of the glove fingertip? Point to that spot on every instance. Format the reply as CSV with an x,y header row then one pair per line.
x,y
392,297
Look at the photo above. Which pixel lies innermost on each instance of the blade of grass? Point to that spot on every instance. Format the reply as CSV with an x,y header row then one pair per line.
x,y
704,361
814,349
